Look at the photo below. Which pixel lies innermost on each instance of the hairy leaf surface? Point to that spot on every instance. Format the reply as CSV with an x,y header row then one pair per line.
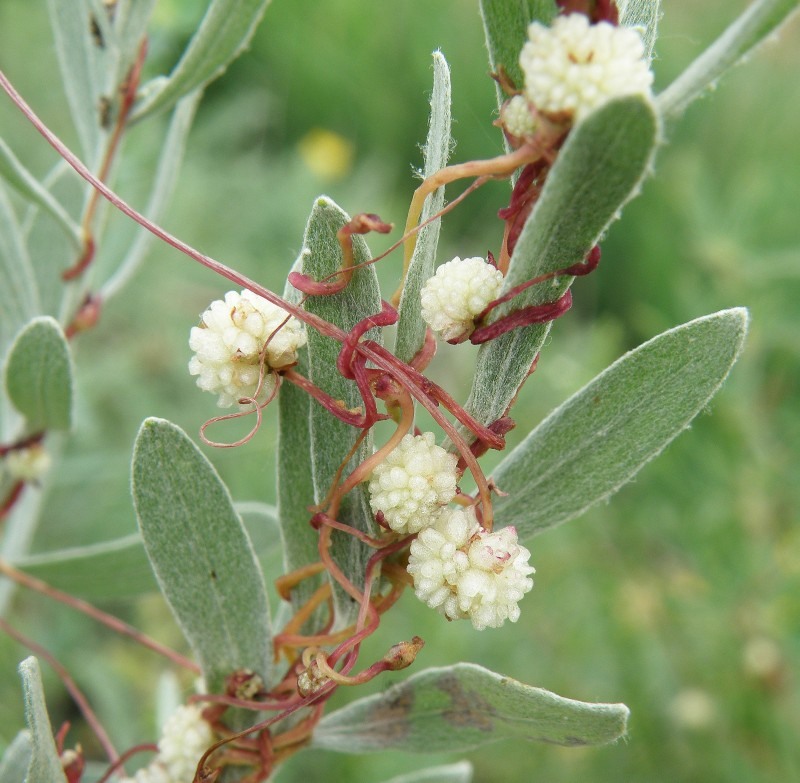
x,y
604,434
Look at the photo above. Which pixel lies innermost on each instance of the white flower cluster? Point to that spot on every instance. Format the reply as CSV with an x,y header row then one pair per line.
x,y
457,293
575,67
466,572
415,480
517,117
184,739
28,464
229,342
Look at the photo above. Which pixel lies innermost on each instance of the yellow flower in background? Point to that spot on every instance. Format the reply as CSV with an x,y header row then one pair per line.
x,y
327,154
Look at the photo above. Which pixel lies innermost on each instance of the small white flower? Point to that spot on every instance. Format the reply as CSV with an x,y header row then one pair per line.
x,y
28,464
458,292
464,571
517,117
229,341
414,481
184,739
575,66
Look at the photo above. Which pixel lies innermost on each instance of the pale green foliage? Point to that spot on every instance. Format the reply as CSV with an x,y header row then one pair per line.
x,y
38,376
463,706
600,438
201,554
599,169
44,765
192,537
15,761
411,327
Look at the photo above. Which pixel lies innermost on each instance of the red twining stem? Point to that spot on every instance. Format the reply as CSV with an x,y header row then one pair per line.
x,y
386,317
360,224
534,314
128,89
335,407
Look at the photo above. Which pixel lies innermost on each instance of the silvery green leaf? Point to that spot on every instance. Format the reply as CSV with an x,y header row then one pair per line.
x,y
17,758
295,480
83,66
759,20
446,773
44,765
600,167
331,439
644,15
223,35
19,295
411,327
27,185
201,554
112,569
38,375
595,442
130,26
166,176
461,707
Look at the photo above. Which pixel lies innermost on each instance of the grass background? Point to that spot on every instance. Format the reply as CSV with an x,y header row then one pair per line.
x,y
680,597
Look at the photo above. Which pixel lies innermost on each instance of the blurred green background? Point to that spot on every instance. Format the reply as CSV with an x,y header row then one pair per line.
x,y
679,597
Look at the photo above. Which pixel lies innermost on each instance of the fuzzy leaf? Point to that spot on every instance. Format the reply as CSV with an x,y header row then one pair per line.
x,y
759,21
295,480
446,773
461,707
331,439
130,25
643,14
201,554
19,294
505,24
604,434
12,170
113,569
411,327
83,65
600,167
17,758
38,376
44,766
223,35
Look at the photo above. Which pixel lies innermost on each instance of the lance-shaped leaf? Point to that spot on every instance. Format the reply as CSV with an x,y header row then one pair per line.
x,y
19,294
39,376
16,759
411,327
83,64
600,167
331,439
461,707
130,27
758,22
223,35
446,773
598,439
15,173
44,765
295,479
201,554
644,15
112,569
505,24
